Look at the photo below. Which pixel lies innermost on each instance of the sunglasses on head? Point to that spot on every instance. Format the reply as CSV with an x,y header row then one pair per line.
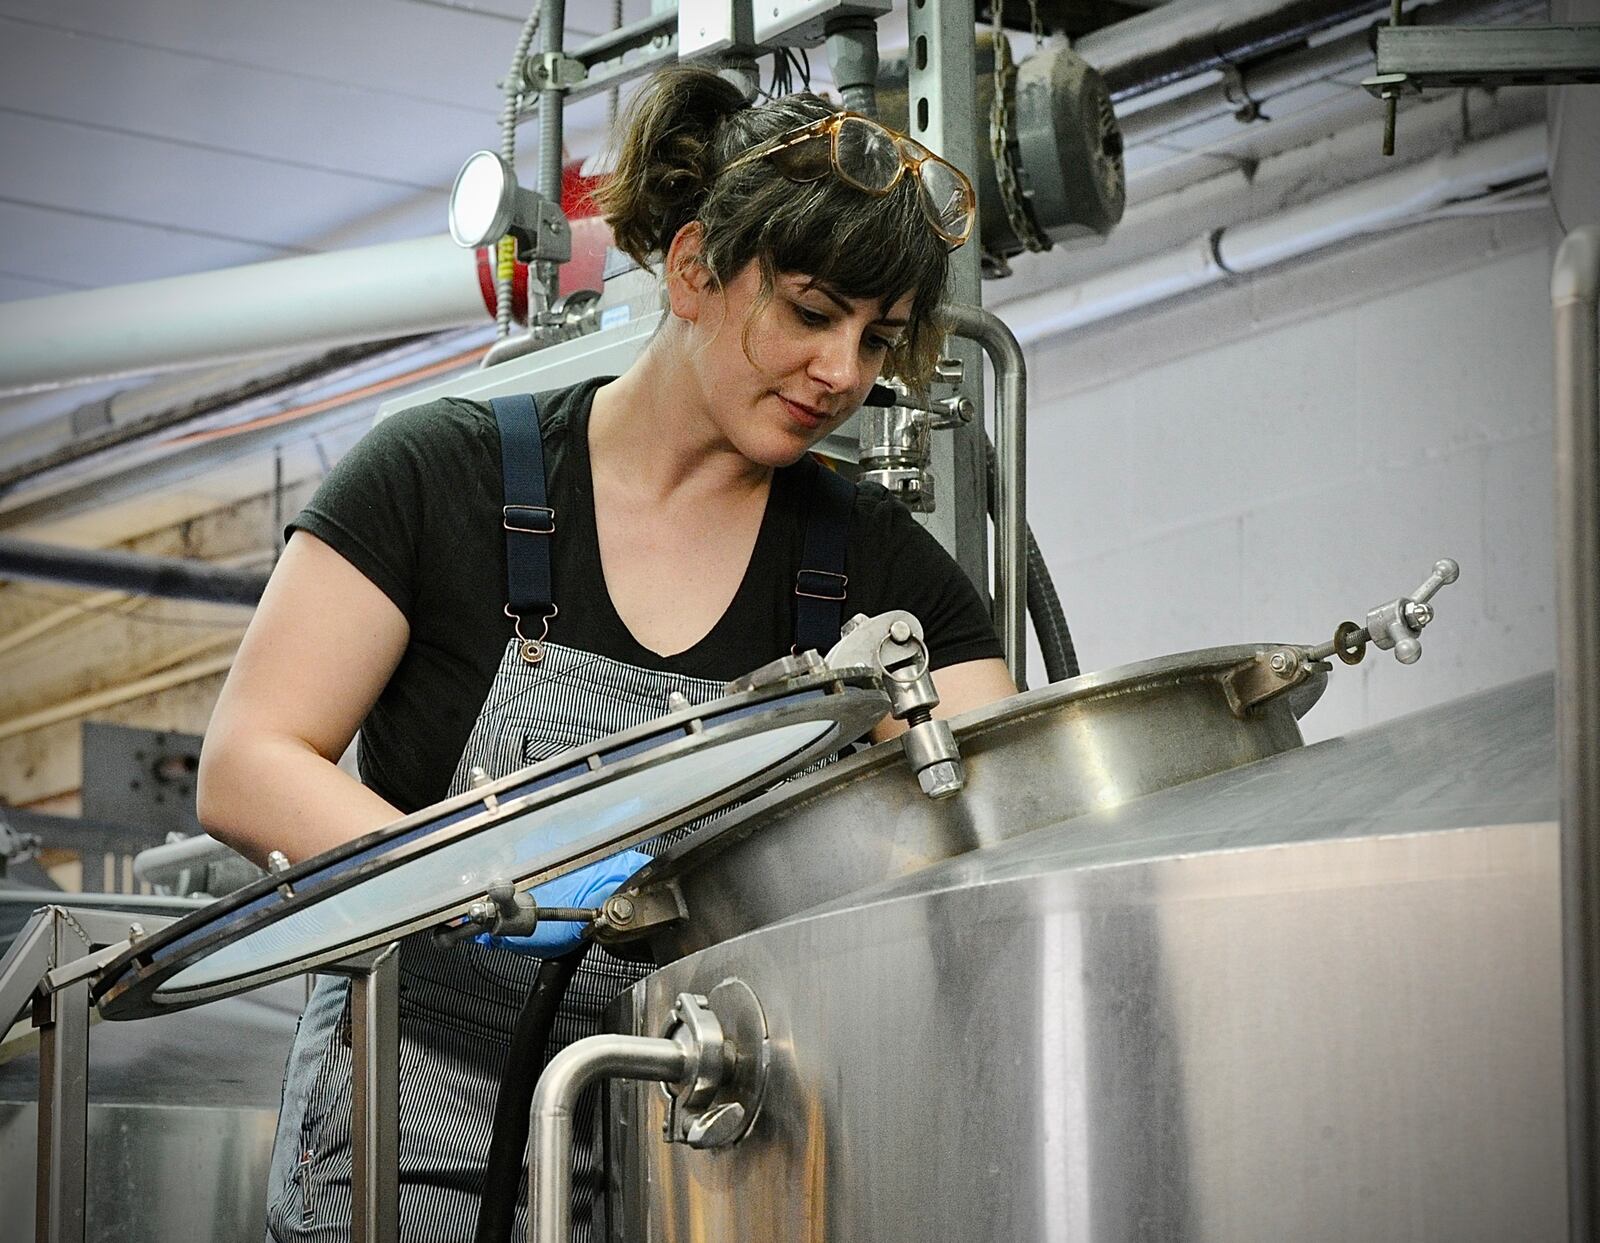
x,y
872,158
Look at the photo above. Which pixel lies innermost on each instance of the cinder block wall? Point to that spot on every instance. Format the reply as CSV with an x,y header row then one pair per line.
x,y
1262,462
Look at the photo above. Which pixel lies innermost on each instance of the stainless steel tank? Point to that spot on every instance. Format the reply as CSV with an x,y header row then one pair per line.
x,y
1315,997
182,1110
1094,742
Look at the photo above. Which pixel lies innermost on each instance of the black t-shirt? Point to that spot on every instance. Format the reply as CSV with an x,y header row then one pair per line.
x,y
416,507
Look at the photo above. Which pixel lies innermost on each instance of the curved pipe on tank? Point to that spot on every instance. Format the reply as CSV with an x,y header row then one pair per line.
x,y
1575,300
569,1072
1010,439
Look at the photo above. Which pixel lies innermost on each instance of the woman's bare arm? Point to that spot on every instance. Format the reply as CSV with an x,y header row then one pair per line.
x,y
320,649
968,685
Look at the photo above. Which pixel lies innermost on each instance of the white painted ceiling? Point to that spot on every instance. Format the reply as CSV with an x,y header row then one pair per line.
x,y
151,138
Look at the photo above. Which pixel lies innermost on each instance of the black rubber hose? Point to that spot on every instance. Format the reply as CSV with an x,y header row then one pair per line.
x,y
508,1141
1044,605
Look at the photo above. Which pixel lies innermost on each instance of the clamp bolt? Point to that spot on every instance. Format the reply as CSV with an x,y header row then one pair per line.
x,y
942,779
619,910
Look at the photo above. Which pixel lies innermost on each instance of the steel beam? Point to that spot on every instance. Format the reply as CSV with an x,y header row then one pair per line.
x,y
942,52
1443,56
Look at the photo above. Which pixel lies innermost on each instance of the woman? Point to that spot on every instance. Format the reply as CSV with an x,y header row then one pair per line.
x,y
683,499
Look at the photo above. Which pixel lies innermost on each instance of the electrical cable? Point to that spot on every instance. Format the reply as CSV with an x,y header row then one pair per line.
x,y
525,1058
511,105
1044,604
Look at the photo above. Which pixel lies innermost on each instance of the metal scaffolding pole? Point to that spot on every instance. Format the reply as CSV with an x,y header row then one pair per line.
x,y
943,51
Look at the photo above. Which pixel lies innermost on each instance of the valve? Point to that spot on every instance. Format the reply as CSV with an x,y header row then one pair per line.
x,y
1395,626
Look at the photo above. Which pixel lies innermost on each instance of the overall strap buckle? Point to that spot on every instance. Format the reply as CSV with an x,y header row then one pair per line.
x,y
531,650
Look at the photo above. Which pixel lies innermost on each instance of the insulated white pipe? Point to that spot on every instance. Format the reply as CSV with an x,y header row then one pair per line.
x,y
368,294
1381,203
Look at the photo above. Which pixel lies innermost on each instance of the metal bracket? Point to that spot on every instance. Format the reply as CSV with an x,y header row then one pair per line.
x,y
546,235
553,71
1267,676
1411,59
627,916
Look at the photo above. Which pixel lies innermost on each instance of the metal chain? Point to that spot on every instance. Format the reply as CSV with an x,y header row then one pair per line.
x,y
66,918
1011,198
1038,26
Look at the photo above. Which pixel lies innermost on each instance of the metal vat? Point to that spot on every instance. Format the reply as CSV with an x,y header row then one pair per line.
x,y
1314,998
182,1110
1092,743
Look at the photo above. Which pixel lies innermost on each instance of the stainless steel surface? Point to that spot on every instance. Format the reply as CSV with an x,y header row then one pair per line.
x,y
1316,998
375,1094
50,968
1575,290
1095,741
569,1072
62,1169
180,1122
1444,56
1010,443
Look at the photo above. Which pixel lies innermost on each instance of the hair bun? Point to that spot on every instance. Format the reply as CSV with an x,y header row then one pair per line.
x,y
666,157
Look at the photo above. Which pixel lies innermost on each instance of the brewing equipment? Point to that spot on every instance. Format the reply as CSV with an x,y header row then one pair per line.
x,y
1313,997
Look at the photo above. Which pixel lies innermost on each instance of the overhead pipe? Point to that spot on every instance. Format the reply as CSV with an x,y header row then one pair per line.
x,y
1190,37
366,294
1258,85
169,578
1575,293
1383,202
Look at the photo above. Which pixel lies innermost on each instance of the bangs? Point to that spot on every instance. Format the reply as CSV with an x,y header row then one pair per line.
x,y
872,248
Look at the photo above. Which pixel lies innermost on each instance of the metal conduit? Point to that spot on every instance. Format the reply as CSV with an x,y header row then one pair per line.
x,y
1010,438
169,578
552,105
1575,293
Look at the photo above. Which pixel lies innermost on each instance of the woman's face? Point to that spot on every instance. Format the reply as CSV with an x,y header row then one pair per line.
x,y
779,375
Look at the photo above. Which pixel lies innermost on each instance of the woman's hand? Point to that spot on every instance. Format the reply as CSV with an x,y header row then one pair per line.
x,y
320,649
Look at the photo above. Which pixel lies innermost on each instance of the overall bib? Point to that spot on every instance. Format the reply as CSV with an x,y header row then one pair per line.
x,y
459,1004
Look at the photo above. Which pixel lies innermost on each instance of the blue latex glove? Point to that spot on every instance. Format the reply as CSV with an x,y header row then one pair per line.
x,y
587,887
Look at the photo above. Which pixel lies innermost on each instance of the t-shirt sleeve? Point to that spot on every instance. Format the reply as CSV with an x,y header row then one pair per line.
x,y
918,575
372,509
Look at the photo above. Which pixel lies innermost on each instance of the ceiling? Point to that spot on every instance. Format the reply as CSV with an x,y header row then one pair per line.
x,y
153,138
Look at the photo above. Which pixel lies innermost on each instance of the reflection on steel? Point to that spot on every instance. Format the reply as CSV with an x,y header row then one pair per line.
x,y
1095,741
1575,290
1314,998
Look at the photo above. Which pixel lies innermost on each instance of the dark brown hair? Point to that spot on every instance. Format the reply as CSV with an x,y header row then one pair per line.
x,y
683,128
